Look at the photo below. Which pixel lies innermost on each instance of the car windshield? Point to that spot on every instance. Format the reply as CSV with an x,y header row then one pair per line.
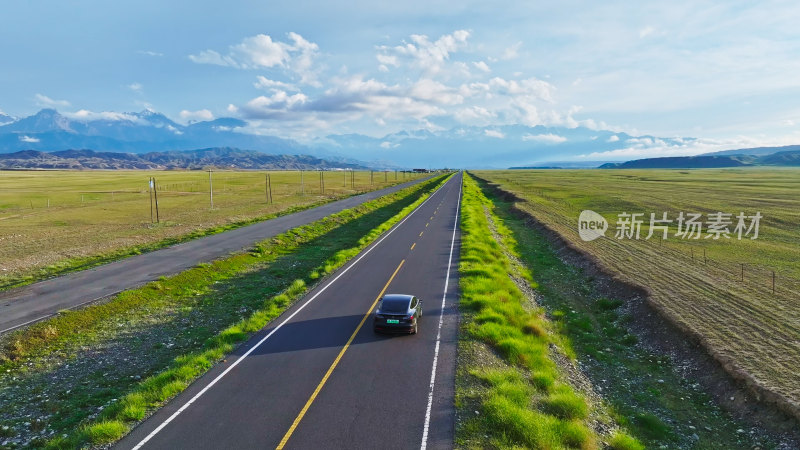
x,y
394,305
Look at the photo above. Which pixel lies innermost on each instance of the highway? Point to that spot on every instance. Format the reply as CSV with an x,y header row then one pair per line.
x,y
38,301
318,377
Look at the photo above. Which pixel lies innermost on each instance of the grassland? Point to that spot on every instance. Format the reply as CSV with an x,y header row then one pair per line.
x,y
86,376
644,389
510,391
753,332
52,221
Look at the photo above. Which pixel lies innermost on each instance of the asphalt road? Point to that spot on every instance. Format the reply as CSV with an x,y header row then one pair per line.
x,y
316,378
29,304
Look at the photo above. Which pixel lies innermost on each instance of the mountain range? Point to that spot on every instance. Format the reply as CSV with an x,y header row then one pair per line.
x,y
189,159
149,131
765,156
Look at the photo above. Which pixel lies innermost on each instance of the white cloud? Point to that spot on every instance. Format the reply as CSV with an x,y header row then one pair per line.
x,y
261,51
263,82
386,144
47,102
279,105
435,92
135,87
548,138
196,116
654,147
494,133
482,66
28,139
512,52
84,115
613,138
430,56
474,114
149,53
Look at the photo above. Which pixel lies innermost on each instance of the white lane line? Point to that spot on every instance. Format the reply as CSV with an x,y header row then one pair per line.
x,y
424,443
258,344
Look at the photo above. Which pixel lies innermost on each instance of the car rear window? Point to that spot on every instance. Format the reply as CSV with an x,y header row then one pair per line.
x,y
390,305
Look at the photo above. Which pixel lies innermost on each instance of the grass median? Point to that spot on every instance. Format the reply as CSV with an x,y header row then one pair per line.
x,y
510,391
87,376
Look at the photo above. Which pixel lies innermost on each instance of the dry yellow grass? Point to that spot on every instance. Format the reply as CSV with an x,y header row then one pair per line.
x,y
49,217
754,333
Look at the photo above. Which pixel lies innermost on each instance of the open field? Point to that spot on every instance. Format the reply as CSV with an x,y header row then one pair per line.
x,y
50,220
90,374
753,332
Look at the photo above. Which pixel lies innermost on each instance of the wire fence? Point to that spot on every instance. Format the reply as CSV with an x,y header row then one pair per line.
x,y
756,278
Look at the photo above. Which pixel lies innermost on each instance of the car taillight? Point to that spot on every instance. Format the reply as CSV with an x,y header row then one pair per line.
x,y
411,317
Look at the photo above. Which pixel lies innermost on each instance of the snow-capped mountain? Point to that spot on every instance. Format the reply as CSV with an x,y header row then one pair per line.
x,y
489,147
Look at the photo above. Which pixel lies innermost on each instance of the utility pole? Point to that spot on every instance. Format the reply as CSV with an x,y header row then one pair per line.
x,y
210,189
150,190
269,190
322,181
155,193
370,178
302,186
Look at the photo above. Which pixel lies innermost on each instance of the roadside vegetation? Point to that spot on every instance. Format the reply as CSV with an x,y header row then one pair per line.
x,y
719,292
53,222
516,382
656,401
85,377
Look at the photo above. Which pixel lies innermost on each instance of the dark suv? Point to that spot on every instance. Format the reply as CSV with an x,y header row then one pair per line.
x,y
397,313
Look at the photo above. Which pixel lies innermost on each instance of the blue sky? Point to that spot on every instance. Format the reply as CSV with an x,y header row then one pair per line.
x,y
724,72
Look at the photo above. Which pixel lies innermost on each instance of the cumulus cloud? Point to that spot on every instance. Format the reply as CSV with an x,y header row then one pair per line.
x,y
494,133
613,138
279,105
430,56
548,138
386,144
135,87
261,51
265,83
47,102
29,139
482,66
196,116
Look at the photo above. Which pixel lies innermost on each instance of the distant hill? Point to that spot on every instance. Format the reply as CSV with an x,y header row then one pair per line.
x,y
755,151
785,158
220,157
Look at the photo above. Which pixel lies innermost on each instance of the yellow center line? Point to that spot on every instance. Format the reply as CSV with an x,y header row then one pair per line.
x,y
426,225
420,233
335,362
431,217
413,245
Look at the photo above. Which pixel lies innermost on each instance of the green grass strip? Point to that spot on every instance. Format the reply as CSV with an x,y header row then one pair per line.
x,y
155,391
526,403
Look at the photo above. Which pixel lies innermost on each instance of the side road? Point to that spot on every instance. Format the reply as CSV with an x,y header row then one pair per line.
x,y
29,304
